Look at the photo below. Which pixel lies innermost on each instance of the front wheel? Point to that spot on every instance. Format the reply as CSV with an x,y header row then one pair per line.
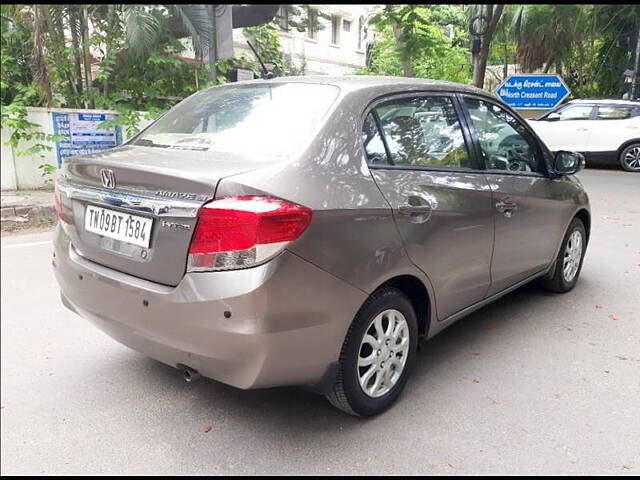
x,y
569,261
630,158
377,354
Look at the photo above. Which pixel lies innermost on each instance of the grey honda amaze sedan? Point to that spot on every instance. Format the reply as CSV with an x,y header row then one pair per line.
x,y
310,231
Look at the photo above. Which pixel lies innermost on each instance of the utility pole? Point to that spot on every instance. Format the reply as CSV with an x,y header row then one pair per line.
x,y
636,73
477,28
212,45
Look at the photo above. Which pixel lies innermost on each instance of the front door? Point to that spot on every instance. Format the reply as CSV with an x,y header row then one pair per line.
x,y
441,204
572,131
527,218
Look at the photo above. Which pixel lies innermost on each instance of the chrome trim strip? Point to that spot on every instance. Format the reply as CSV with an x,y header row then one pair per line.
x,y
129,201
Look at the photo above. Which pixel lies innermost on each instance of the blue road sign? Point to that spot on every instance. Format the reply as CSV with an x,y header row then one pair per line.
x,y
533,91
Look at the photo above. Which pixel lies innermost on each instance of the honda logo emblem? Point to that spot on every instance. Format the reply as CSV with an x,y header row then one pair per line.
x,y
108,178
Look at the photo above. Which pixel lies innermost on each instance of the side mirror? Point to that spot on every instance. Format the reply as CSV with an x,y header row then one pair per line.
x,y
568,163
553,117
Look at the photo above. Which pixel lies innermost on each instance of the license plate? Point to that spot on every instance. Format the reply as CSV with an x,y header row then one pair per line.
x,y
117,225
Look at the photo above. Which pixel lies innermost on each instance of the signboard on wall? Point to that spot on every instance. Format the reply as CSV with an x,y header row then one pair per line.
x,y
82,135
531,91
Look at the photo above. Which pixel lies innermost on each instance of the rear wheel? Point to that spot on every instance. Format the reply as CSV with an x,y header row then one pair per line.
x,y
569,261
630,158
377,354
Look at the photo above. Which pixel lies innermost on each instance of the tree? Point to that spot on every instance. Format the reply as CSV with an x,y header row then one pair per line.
x,y
413,41
492,15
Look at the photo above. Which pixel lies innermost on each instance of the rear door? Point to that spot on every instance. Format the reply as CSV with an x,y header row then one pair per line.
x,y
529,214
441,203
614,125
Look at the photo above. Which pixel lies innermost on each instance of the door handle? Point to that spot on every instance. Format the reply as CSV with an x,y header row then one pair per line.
x,y
414,209
507,208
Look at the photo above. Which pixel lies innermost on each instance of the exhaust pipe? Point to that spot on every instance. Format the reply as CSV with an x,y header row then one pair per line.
x,y
190,375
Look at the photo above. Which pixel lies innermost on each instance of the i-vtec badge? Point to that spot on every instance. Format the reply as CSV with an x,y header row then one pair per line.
x,y
175,225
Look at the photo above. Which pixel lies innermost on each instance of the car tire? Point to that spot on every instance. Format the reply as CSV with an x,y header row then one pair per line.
x,y
568,264
630,158
347,393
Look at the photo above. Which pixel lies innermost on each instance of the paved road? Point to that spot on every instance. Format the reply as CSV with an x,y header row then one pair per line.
x,y
535,383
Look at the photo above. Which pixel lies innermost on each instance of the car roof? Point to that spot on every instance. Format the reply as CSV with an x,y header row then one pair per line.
x,y
603,101
357,82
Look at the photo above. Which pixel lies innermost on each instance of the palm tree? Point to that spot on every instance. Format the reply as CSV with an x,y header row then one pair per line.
x,y
546,34
52,23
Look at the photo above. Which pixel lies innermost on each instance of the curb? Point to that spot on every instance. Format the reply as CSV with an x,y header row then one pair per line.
x,y
27,215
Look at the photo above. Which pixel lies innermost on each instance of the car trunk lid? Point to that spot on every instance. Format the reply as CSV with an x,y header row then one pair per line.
x,y
165,186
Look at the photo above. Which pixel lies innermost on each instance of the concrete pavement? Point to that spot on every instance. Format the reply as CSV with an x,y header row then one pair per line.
x,y
533,384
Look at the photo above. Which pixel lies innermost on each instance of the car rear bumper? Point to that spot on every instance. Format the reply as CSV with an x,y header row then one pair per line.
x,y
281,323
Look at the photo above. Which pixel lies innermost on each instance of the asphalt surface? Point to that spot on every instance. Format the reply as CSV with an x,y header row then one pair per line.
x,y
534,383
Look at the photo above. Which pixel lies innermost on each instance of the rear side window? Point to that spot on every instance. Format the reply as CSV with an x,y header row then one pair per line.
x,y
262,120
614,112
423,131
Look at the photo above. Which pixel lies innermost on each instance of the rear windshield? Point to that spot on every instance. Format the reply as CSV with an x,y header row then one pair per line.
x,y
266,119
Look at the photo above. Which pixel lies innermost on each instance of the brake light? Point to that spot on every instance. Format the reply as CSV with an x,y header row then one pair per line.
x,y
239,232
58,202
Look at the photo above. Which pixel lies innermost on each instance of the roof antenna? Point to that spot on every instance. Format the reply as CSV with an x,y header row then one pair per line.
x,y
266,75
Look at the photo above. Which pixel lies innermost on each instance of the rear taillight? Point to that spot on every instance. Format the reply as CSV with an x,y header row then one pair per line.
x,y
239,232
58,202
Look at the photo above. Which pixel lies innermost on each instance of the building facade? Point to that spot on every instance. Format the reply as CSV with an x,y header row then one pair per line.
x,y
337,47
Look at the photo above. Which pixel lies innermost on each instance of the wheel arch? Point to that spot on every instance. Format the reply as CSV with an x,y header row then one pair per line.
x,y
418,294
584,215
626,144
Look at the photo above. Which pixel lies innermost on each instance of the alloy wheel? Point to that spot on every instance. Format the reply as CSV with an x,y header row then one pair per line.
x,y
632,158
572,256
383,353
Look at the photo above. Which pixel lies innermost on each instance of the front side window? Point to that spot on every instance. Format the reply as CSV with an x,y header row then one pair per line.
x,y
504,142
578,112
424,131
260,120
614,112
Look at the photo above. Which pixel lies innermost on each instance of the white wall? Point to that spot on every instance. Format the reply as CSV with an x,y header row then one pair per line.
x,y
22,172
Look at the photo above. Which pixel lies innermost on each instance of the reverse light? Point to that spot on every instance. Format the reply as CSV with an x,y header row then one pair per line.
x,y
240,232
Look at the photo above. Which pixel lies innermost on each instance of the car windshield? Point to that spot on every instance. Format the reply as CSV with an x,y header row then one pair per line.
x,y
265,119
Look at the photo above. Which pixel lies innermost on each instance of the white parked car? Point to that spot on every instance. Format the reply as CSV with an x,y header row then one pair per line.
x,y
602,130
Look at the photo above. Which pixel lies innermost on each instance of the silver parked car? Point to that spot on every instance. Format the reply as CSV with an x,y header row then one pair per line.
x,y
310,231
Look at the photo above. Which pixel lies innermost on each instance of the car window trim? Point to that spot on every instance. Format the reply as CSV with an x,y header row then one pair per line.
x,y
376,119
389,97
477,146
